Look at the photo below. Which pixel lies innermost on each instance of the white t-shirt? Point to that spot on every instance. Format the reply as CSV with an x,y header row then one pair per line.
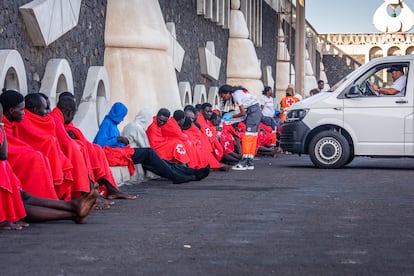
x,y
399,84
268,108
243,97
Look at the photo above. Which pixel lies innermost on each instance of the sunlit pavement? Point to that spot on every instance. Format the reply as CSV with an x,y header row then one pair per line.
x,y
284,218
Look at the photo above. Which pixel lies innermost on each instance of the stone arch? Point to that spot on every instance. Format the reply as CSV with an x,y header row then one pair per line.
x,y
12,71
409,50
57,79
213,97
200,94
394,51
94,104
375,52
185,93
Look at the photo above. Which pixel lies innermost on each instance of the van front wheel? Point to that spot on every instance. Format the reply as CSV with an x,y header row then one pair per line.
x,y
329,150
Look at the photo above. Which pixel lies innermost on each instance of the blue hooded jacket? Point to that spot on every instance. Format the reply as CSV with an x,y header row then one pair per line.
x,y
108,131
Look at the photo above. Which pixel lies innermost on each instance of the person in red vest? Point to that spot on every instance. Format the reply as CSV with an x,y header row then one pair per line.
x,y
287,102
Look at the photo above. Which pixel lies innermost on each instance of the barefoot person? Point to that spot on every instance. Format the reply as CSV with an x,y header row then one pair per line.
x,y
98,164
17,204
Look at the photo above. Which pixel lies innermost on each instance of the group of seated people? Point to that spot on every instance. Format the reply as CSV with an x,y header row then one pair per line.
x,y
195,136
51,171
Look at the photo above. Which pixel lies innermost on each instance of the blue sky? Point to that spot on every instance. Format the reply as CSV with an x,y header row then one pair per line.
x,y
344,16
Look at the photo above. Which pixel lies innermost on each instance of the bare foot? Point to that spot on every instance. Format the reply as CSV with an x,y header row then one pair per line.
x,y
6,225
102,204
86,202
121,195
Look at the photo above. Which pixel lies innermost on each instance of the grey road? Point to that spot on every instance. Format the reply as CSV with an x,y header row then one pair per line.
x,y
284,218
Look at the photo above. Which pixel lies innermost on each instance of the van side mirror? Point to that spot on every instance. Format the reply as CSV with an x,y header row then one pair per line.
x,y
353,92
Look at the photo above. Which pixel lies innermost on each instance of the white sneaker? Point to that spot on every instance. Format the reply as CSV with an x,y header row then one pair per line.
x,y
240,167
250,167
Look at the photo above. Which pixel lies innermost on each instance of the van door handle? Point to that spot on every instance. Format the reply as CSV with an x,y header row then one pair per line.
x,y
401,101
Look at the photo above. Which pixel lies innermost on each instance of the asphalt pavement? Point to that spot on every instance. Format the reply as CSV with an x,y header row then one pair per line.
x,y
284,218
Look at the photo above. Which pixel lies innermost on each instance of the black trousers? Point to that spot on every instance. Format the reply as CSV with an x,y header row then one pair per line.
x,y
151,161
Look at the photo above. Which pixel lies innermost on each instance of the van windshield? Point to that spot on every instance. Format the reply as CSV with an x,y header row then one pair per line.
x,y
339,83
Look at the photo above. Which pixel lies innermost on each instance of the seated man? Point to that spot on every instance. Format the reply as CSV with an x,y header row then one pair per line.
x,y
31,166
109,136
94,156
398,87
17,204
40,131
168,147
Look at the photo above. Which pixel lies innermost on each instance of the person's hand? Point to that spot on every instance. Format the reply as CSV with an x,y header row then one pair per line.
x,y
227,117
123,140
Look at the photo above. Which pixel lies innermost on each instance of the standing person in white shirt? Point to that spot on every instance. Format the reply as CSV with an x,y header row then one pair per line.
x,y
268,110
249,107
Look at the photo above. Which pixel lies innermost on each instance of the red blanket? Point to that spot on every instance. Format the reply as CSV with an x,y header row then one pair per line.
x,y
170,147
120,157
204,147
40,133
97,157
30,166
11,208
76,154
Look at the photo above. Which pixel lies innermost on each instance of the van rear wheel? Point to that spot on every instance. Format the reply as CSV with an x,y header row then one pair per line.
x,y
329,150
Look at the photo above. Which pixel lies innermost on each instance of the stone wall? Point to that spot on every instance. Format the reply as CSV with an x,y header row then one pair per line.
x,y
83,46
337,67
267,53
193,31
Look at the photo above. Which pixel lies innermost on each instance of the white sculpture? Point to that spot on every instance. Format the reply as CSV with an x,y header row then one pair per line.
x,y
387,23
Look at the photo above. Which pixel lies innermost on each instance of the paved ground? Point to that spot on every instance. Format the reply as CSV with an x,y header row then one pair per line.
x,y
284,218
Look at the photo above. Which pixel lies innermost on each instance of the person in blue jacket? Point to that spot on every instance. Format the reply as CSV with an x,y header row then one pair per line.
x,y
109,135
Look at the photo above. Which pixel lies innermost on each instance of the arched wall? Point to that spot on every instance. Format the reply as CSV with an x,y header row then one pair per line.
x,y
12,71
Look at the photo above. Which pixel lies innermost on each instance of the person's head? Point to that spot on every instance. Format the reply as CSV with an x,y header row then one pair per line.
x,y
187,123
68,108
215,119
48,109
206,110
179,116
162,116
67,94
321,84
192,111
291,85
117,112
267,91
36,104
396,71
289,91
225,92
13,105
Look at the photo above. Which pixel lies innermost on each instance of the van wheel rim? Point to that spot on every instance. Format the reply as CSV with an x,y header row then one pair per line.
x,y
328,150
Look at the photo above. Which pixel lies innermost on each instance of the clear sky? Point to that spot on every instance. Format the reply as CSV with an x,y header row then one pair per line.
x,y
344,16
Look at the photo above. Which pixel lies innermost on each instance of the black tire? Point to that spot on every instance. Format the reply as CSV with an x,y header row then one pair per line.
x,y
329,150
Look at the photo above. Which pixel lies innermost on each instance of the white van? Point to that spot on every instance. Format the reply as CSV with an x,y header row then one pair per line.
x,y
351,120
